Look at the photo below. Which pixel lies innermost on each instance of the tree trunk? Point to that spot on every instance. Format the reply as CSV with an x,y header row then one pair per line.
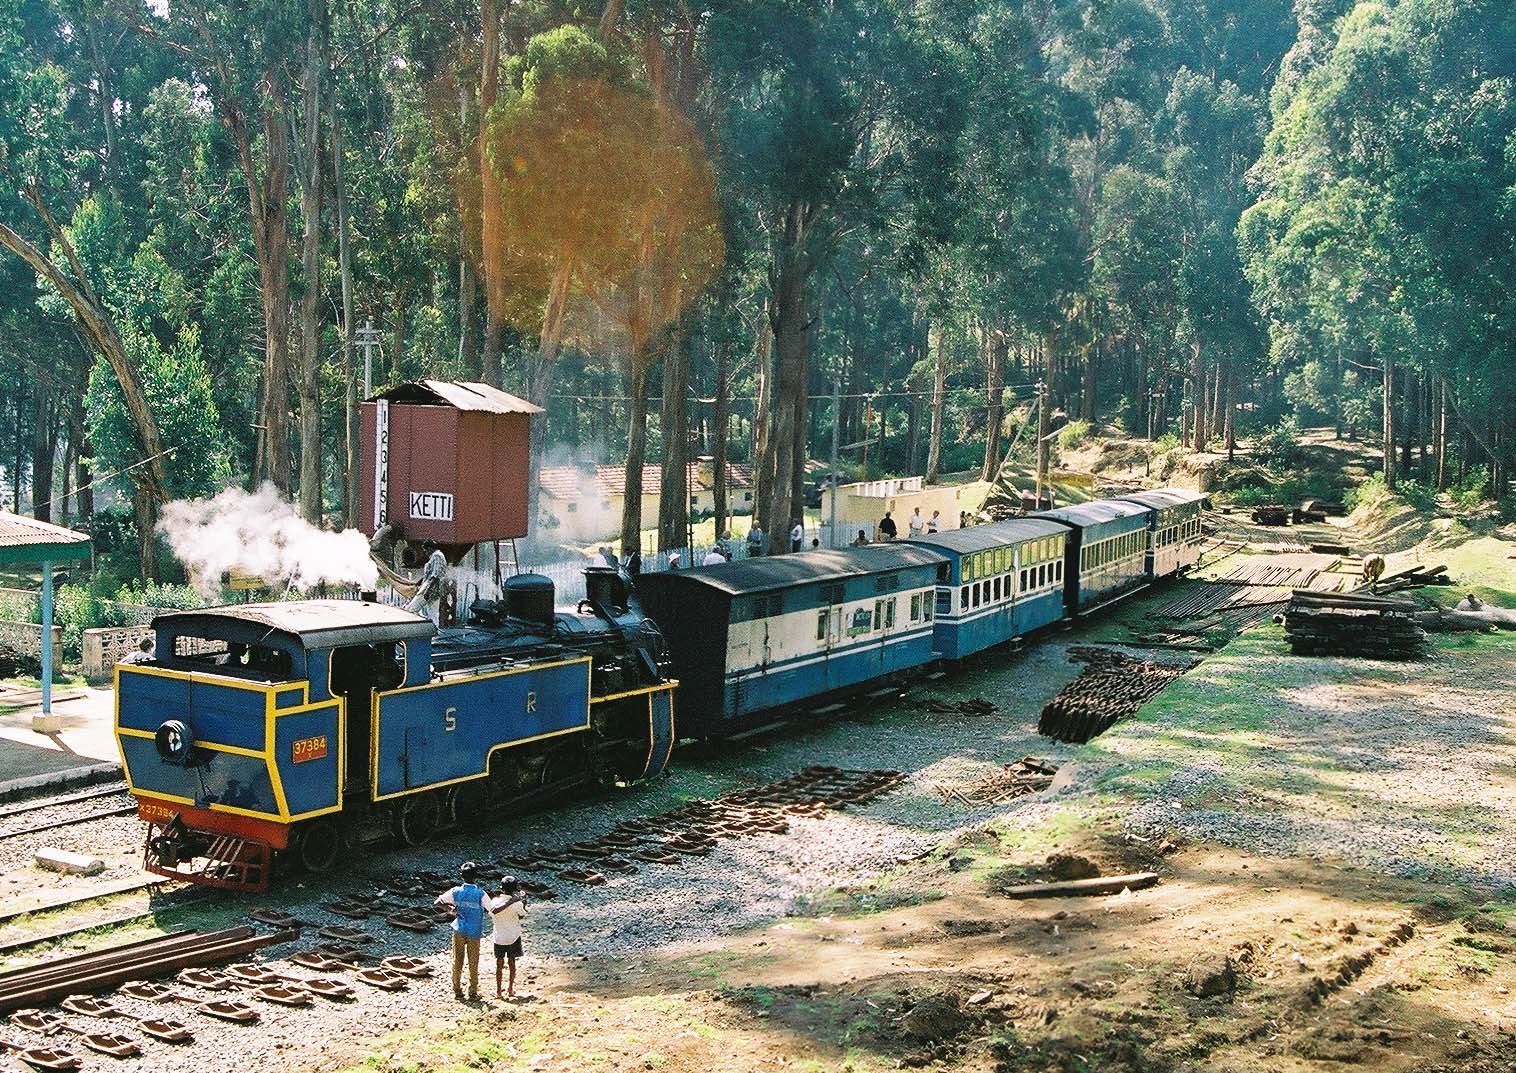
x,y
763,418
674,424
268,209
1230,415
1200,387
1442,434
939,390
719,422
491,219
98,329
995,352
1388,431
308,384
636,449
1088,391
44,450
541,371
789,315
349,323
84,495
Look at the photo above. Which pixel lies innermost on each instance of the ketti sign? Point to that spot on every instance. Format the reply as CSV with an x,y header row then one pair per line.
x,y
431,506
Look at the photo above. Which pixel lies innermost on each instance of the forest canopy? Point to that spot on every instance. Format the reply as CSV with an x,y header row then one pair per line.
x,y
687,228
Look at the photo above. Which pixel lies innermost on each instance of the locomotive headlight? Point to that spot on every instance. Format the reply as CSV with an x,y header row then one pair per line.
x,y
174,741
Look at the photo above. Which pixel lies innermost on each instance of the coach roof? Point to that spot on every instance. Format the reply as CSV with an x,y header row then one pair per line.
x,y
802,568
1161,498
1094,512
994,535
316,623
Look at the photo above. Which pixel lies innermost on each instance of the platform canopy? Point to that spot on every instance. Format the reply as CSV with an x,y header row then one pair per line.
x,y
27,540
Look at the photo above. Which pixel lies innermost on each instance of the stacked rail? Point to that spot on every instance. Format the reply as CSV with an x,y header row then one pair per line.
x,y
41,985
1347,624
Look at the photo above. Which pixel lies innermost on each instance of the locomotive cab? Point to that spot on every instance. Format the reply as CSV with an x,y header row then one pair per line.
x,y
252,722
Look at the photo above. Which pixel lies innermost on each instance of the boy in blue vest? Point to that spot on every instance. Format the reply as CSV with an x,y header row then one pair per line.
x,y
470,917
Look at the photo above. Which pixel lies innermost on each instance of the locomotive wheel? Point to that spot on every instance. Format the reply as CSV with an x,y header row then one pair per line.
x,y
417,818
319,846
467,801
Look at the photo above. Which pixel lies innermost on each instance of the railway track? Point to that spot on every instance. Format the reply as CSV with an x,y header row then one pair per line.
x,y
68,810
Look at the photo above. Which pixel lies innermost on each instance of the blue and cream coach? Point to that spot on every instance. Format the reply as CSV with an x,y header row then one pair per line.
x,y
765,633
999,581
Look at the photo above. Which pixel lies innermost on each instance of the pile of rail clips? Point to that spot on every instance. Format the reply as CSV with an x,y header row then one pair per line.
x,y
675,835
1025,776
1112,686
1344,624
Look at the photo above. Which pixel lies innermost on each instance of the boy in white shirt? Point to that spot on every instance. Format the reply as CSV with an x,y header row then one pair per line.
x,y
507,909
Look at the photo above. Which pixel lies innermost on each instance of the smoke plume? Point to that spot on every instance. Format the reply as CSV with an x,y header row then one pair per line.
x,y
260,533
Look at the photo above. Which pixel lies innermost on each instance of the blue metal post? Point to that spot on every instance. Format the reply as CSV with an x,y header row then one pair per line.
x,y
47,638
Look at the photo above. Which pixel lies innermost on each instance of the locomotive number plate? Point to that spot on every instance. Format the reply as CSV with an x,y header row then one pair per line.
x,y
306,749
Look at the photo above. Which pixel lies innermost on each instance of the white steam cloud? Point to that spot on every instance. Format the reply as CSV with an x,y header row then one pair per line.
x,y
260,533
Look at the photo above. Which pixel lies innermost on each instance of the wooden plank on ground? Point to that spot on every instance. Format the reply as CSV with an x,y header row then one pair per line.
x,y
1079,888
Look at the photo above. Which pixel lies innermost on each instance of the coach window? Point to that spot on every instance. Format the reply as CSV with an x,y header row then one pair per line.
x,y
821,625
889,613
916,607
963,598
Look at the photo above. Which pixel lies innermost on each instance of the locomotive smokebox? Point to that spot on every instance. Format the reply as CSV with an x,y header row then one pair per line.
x,y
445,463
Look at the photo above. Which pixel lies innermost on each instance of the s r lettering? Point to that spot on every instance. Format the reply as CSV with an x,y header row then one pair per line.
x,y
450,719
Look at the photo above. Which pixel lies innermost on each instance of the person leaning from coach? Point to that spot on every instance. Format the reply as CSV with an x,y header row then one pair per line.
x,y
467,901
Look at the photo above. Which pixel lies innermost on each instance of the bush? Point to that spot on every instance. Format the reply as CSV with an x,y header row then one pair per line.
x,y
1252,495
1471,493
1421,496
1277,447
1073,434
1369,493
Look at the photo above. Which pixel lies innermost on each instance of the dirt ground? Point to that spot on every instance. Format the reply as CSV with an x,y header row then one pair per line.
x,y
1310,959
1230,962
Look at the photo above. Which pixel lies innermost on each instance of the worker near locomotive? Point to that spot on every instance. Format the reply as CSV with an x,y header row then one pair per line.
x,y
299,728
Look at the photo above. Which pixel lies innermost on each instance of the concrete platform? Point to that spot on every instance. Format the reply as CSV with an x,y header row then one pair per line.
x,y
78,752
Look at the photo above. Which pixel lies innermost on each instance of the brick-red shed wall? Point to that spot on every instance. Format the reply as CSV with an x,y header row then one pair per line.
x,y
479,458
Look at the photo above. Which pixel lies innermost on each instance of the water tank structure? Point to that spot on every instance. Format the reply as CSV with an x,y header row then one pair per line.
x,y
445,464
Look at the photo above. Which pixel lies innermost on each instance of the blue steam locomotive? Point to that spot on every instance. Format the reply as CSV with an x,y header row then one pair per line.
x,y
310,727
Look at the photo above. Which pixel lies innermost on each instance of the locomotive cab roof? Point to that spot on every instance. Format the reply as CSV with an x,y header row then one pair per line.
x,y
311,623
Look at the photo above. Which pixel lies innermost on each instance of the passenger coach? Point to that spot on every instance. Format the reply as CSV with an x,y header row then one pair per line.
x,y
1000,581
1174,537
750,636
1105,554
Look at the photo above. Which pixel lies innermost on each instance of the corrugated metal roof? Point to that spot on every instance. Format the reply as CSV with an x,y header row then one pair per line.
x,y
317,623
480,398
1094,512
24,539
1164,497
992,535
800,568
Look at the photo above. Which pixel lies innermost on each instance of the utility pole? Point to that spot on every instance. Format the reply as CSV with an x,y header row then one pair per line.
x,y
1043,422
831,538
368,338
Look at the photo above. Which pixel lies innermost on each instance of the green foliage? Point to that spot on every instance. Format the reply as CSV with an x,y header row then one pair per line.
x,y
1421,496
178,389
1367,495
1279,446
1073,434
